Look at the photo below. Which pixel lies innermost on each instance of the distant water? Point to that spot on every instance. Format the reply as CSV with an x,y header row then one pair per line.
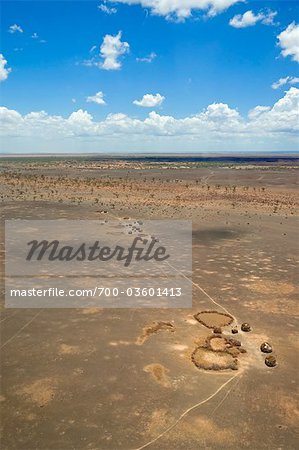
x,y
199,159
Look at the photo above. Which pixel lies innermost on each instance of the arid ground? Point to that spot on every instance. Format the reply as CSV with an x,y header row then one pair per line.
x,y
168,379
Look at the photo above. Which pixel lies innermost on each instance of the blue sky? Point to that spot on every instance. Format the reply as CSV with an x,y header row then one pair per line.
x,y
211,68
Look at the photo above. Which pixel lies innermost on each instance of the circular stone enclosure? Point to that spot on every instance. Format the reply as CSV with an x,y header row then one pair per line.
x,y
207,359
213,319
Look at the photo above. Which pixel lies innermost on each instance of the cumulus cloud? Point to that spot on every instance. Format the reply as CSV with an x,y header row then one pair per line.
x,y
4,71
288,40
150,100
80,117
15,29
97,98
107,9
180,9
147,59
111,49
249,19
216,123
281,118
257,111
283,81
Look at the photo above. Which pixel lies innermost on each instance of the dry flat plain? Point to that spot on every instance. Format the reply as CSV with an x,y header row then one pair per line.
x,y
174,379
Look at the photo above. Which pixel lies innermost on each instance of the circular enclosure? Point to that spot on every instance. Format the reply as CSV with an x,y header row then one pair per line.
x,y
213,319
207,359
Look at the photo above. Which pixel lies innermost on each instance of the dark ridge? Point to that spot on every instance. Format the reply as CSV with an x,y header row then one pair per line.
x,y
202,159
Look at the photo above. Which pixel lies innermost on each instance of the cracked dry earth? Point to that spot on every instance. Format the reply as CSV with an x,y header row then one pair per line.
x,y
112,379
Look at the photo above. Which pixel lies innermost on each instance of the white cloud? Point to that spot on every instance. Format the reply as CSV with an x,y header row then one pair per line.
x,y
91,62
15,28
180,9
281,119
285,80
289,41
257,111
107,9
35,36
111,49
80,117
147,59
249,19
217,126
4,71
97,98
150,100
289,103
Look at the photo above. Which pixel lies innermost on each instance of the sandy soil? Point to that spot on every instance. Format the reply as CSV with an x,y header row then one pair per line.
x,y
125,379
